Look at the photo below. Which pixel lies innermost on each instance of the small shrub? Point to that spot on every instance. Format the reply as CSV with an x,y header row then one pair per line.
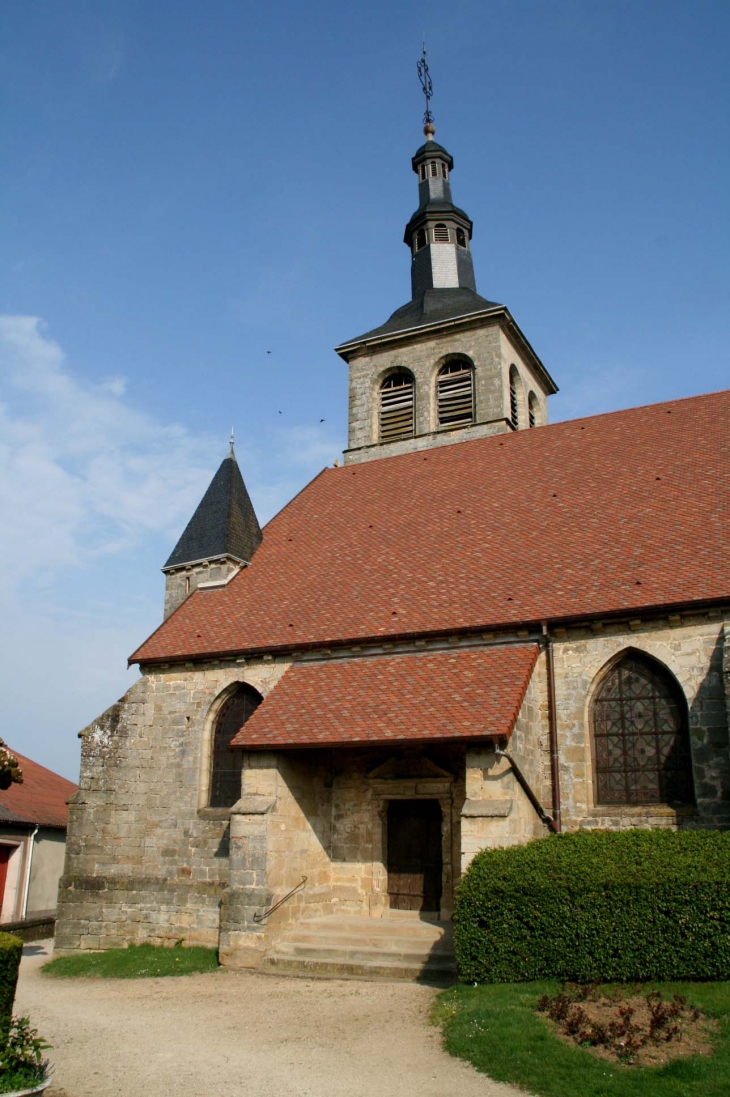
x,y
626,1034
11,950
22,1065
632,906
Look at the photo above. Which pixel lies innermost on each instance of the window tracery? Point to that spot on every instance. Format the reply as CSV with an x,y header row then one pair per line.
x,y
640,735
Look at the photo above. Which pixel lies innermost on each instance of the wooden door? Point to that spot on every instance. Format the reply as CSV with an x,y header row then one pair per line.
x,y
414,854
5,852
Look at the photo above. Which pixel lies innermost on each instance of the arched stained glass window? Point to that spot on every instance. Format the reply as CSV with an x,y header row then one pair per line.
x,y
396,407
226,764
640,736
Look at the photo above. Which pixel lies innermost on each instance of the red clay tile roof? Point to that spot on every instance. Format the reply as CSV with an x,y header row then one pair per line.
x,y
396,698
614,513
40,799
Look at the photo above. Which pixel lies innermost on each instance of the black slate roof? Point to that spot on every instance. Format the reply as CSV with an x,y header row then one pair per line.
x,y
431,148
225,522
431,307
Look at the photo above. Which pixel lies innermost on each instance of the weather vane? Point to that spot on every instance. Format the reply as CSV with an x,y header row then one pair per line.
x,y
427,86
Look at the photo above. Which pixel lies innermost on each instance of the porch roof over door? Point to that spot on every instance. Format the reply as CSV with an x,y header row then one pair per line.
x,y
433,696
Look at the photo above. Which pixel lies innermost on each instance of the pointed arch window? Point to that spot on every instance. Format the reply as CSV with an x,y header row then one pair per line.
x,y
441,233
455,394
533,410
226,764
640,736
397,407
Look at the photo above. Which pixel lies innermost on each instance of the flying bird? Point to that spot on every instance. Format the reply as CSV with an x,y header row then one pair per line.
x,y
321,420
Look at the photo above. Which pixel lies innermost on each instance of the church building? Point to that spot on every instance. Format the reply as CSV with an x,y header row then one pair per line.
x,y
479,630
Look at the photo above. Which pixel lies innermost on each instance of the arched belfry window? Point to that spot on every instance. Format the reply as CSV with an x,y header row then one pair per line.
x,y
455,394
226,764
396,407
461,238
514,403
421,239
441,233
640,735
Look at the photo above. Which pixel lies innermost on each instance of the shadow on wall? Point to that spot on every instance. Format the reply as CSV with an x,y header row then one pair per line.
x,y
708,724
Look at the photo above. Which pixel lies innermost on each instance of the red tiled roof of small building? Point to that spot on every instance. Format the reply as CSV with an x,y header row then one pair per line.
x,y
611,514
40,799
398,698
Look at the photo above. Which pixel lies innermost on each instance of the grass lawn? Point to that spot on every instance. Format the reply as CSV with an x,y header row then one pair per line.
x,y
135,962
497,1029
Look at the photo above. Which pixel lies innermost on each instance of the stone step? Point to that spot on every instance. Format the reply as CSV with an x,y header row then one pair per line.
x,y
333,969
342,946
379,944
381,927
360,952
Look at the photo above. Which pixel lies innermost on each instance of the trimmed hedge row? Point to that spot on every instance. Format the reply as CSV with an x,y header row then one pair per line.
x,y
11,949
620,906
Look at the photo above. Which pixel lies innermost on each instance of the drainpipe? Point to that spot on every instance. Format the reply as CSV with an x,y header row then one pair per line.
x,y
523,783
26,888
552,728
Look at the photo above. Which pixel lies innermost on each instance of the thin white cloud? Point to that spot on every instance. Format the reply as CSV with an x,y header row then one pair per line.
x,y
82,472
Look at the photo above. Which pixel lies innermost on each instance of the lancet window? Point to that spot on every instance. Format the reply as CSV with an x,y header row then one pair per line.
x,y
226,764
640,736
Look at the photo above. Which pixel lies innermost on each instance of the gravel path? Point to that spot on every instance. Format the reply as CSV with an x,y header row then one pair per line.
x,y
241,1035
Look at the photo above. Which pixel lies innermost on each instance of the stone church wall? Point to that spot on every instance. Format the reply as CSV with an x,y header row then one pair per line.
x,y
145,859
691,647
497,811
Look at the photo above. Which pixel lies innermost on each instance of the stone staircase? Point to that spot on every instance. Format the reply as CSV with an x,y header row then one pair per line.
x,y
400,945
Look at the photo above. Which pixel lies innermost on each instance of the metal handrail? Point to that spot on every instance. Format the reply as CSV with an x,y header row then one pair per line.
x,y
260,917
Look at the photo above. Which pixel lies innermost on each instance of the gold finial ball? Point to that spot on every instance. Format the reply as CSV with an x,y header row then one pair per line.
x,y
429,129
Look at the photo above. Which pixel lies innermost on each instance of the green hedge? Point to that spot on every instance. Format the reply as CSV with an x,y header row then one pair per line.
x,y
11,949
597,906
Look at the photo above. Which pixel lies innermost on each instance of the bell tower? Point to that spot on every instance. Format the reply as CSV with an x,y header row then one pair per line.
x,y
449,365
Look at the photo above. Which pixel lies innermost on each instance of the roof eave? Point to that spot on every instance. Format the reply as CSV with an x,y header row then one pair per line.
x,y
655,609
499,312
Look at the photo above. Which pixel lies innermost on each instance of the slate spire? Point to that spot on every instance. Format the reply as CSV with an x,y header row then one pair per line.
x,y
222,536
438,233
224,524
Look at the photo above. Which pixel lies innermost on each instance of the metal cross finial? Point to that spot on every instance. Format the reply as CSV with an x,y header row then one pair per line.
x,y
230,440
426,85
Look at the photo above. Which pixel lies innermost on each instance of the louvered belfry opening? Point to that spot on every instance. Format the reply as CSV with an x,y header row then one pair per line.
x,y
640,735
455,394
514,416
396,407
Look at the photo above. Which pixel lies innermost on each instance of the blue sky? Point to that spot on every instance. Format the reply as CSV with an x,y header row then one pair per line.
x,y
187,186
